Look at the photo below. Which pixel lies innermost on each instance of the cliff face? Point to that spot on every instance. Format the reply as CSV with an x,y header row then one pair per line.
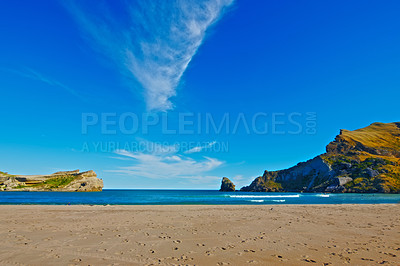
x,y
364,160
227,185
61,181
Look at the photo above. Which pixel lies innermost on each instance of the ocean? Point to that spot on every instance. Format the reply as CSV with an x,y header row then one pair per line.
x,y
190,197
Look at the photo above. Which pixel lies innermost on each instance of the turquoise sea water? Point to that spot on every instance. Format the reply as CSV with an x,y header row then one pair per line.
x,y
182,197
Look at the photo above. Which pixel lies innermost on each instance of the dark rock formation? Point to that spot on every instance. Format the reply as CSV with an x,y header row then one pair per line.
x,y
301,177
364,160
227,185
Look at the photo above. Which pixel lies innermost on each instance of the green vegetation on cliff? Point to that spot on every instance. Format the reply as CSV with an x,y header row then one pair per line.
x,y
57,182
5,174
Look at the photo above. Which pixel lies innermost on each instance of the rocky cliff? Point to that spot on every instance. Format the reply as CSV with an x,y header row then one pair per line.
x,y
363,160
227,185
61,181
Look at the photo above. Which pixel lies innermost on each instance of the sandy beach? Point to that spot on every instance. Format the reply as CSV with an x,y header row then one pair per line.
x,y
200,235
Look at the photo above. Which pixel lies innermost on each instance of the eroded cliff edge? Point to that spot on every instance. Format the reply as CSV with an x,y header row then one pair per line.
x,y
365,160
68,181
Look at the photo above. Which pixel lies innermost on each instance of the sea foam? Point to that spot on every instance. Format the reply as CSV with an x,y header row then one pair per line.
x,y
264,196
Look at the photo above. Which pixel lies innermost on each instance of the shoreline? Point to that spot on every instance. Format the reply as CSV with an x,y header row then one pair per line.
x,y
175,197
319,234
205,205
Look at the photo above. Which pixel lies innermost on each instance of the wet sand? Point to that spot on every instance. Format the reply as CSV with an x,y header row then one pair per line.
x,y
201,235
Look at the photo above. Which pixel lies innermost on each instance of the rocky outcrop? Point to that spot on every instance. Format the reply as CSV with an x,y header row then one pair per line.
x,y
363,160
67,172
68,181
86,182
227,185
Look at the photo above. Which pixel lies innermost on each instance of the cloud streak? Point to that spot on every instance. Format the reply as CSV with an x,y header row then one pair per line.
x,y
201,148
151,41
34,75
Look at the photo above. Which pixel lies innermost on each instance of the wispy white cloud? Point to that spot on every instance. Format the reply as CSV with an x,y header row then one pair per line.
x,y
154,41
34,75
165,162
201,148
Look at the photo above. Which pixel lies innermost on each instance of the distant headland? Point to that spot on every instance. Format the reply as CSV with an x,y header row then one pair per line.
x,y
365,160
68,181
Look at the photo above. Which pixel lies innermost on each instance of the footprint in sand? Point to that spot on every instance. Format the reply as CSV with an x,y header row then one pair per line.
x,y
309,260
367,259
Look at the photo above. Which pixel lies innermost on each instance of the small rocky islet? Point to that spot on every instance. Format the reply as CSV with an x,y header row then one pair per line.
x,y
68,181
227,185
365,160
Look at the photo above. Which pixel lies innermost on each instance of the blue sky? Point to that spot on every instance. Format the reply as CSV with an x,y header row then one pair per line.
x,y
307,68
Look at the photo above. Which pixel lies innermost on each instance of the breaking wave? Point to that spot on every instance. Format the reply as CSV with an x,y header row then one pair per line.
x,y
257,200
280,200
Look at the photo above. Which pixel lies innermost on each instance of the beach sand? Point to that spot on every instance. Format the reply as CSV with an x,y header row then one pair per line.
x,y
201,235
